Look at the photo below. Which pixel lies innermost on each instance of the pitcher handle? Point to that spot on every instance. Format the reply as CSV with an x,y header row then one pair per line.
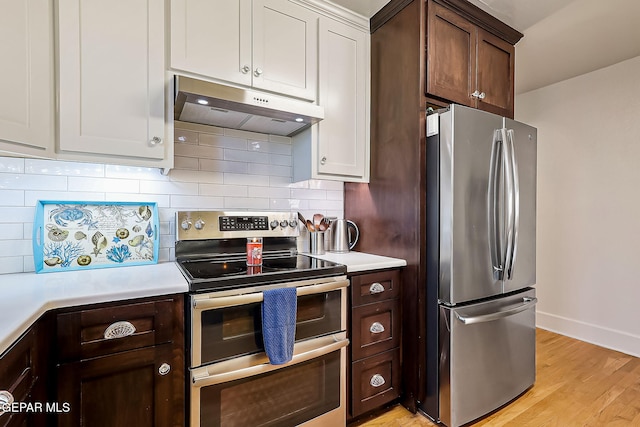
x,y
355,227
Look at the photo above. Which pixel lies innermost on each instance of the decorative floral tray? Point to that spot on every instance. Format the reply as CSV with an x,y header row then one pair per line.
x,y
81,235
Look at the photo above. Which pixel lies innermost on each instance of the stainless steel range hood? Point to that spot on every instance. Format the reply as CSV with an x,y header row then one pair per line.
x,y
199,101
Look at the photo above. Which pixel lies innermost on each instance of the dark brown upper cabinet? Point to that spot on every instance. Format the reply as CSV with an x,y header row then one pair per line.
x,y
466,64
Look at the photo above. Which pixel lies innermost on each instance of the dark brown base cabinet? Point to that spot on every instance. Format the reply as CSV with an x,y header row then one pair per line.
x,y
375,341
133,380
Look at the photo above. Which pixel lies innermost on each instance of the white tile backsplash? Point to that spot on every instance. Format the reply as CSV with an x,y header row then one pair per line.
x,y
239,170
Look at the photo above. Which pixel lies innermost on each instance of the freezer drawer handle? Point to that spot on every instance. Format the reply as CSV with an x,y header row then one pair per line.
x,y
527,303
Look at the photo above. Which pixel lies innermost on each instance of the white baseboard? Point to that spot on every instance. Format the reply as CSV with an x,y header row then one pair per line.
x,y
594,334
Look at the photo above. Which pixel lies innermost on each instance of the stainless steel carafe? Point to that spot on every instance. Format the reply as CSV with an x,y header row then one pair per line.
x,y
344,235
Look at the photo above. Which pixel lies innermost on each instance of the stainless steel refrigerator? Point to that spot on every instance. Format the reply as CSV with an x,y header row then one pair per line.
x,y
481,263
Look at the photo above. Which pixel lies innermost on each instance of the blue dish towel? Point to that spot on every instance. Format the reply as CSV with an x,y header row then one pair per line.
x,y
279,324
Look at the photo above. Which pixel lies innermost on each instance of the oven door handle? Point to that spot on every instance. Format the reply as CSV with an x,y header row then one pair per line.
x,y
223,372
207,302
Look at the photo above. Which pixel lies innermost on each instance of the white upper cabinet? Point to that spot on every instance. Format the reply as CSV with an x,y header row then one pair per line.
x,y
26,87
112,82
266,44
337,148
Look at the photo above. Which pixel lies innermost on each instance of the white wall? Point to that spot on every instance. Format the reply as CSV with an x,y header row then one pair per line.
x,y
588,247
216,169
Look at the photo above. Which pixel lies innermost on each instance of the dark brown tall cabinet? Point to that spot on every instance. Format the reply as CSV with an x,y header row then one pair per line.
x,y
423,53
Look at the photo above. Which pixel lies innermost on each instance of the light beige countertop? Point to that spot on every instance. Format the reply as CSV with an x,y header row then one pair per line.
x,y
24,297
360,261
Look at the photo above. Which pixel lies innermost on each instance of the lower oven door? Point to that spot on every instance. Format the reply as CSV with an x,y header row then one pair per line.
x,y
248,391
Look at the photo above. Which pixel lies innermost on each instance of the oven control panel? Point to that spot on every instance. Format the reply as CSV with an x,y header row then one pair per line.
x,y
196,225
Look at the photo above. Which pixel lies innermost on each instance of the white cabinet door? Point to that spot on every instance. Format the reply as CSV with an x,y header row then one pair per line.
x,y
343,135
266,44
111,78
26,86
212,38
285,52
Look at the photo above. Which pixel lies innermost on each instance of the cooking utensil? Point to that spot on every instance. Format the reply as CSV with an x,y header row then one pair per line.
x,y
323,225
317,219
310,226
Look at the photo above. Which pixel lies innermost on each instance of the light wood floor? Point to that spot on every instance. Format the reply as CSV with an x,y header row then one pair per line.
x,y
577,384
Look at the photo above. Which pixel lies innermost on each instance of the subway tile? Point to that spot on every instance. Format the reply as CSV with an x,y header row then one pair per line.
x,y
223,166
280,204
160,199
244,179
184,136
223,141
280,139
104,184
164,255
246,203
198,128
323,184
13,231
53,167
335,195
11,165
299,184
15,247
12,181
170,187
243,134
28,264
280,160
27,230
258,169
309,194
280,181
323,205
272,192
132,172
196,176
180,162
245,156
31,197
12,197
199,151
223,190
16,214
11,264
196,202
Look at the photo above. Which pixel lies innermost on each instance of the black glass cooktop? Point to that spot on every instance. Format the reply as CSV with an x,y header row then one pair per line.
x,y
215,274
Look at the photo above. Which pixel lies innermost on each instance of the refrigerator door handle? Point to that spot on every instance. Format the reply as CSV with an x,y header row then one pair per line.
x,y
493,206
508,203
469,320
514,222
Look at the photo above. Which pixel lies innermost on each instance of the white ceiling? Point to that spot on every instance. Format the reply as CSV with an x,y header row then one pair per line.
x,y
562,38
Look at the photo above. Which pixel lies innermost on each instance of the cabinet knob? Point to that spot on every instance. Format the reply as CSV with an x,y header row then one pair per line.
x,y
377,380
376,328
164,369
119,330
376,288
482,95
323,160
478,94
156,140
257,72
6,400
245,69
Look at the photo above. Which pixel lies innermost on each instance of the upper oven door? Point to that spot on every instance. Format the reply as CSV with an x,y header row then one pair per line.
x,y
230,326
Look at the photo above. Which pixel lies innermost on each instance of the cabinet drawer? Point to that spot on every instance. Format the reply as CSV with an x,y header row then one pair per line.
x,y
376,328
17,374
374,287
376,381
96,332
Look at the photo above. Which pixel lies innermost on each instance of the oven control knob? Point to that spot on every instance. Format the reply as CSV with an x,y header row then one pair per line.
x,y
185,225
273,224
199,225
293,223
284,223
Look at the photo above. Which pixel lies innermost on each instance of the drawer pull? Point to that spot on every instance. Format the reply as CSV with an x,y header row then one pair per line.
x,y
376,288
164,369
376,328
119,330
6,399
377,380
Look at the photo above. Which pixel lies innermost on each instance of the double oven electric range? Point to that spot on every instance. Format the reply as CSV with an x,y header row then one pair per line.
x,y
230,381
